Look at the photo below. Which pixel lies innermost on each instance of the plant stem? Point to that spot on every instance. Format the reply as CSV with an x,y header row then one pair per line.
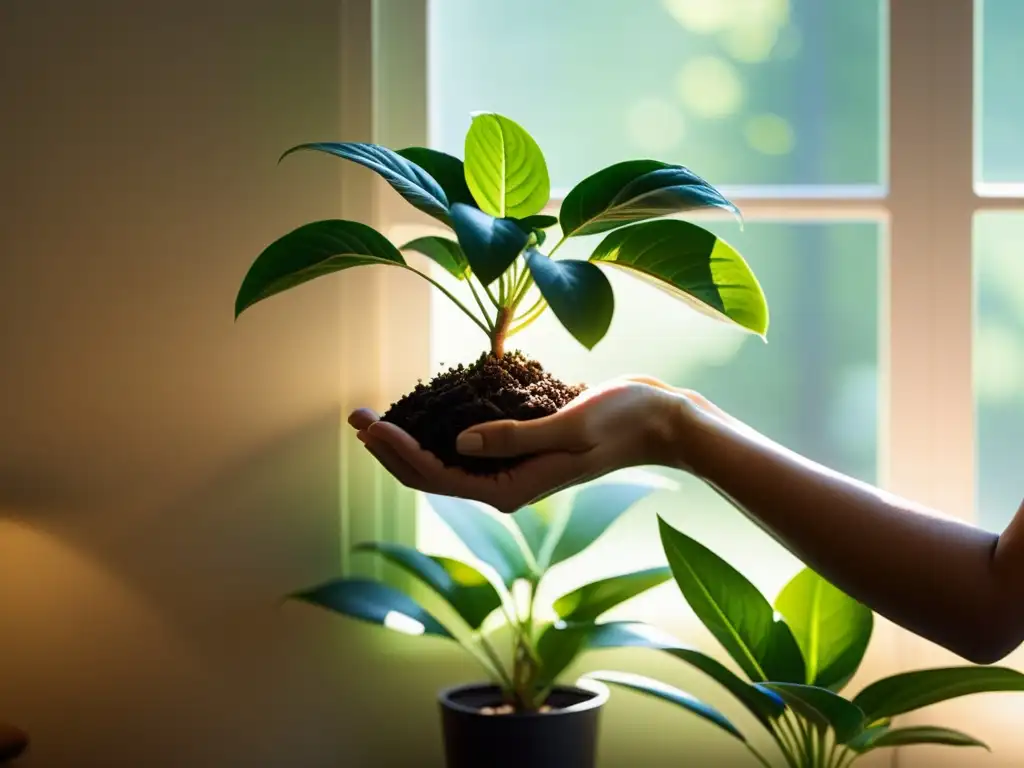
x,y
500,331
496,660
479,303
760,758
557,246
448,293
537,310
787,745
491,296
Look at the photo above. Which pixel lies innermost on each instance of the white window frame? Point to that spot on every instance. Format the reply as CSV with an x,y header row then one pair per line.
x,y
926,213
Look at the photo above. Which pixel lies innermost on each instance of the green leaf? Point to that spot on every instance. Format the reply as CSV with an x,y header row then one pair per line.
x,y
831,628
407,178
822,707
594,509
311,251
442,251
446,170
732,610
592,600
376,603
578,293
667,693
490,244
533,527
921,734
633,191
505,169
862,741
461,585
485,537
559,645
691,264
908,691
540,221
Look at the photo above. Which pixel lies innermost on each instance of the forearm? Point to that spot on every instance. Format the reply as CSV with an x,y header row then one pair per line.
x,y
952,583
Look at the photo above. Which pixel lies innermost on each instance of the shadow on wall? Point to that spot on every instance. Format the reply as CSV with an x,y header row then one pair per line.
x,y
168,625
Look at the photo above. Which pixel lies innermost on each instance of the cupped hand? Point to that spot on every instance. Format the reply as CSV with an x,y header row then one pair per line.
x,y
626,422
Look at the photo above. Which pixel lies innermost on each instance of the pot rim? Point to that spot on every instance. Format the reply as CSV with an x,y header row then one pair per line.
x,y
598,695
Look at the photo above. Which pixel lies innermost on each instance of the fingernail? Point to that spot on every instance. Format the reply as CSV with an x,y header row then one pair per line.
x,y
469,442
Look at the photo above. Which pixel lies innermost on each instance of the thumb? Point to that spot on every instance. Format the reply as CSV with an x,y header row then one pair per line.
x,y
508,437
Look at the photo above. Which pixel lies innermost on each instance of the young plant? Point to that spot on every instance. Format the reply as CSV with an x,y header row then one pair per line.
x,y
494,202
482,602
796,657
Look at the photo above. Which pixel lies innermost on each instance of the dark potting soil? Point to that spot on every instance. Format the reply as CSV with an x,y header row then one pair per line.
x,y
510,387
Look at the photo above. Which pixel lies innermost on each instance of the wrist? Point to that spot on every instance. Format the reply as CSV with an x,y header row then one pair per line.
x,y
691,434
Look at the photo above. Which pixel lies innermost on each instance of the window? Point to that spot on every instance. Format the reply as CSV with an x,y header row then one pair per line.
x,y
874,150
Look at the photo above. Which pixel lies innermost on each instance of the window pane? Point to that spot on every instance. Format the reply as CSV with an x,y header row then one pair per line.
x,y
813,386
745,92
1001,101
999,365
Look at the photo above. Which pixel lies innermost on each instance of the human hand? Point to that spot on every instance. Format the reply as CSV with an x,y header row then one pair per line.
x,y
626,422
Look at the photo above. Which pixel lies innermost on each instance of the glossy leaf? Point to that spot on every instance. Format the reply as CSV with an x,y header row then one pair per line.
x,y
490,244
505,169
560,644
311,251
443,252
533,527
484,535
589,602
578,293
862,741
822,707
459,584
633,191
447,171
376,603
594,508
667,693
831,628
407,178
732,610
691,264
908,691
921,734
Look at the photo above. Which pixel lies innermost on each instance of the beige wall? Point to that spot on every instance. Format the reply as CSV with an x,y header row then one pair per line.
x,y
165,473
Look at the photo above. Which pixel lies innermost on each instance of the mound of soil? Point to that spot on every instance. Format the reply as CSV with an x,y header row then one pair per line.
x,y
510,387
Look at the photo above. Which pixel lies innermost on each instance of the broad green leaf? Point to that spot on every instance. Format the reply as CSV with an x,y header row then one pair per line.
x,y
822,707
594,509
592,600
667,693
311,251
578,293
831,628
459,584
533,527
691,264
376,603
505,169
442,251
862,741
633,191
559,645
446,170
908,691
490,244
732,610
485,537
407,178
921,734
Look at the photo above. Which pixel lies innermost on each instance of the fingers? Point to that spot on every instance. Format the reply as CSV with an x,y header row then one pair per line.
x,y
362,418
508,438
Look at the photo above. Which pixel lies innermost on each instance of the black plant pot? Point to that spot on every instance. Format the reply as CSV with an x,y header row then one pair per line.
x,y
563,738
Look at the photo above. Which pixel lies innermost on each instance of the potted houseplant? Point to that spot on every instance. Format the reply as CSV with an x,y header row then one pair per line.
x,y
494,201
524,715
794,658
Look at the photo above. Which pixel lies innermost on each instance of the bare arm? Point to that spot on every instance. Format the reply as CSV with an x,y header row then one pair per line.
x,y
957,585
